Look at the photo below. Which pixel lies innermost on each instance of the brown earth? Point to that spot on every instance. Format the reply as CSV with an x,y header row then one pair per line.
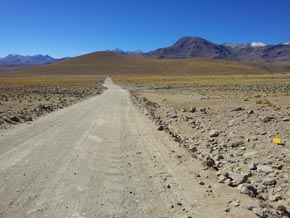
x,y
230,130
108,63
25,99
103,158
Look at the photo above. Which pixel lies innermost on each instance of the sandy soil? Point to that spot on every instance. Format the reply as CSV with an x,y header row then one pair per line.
x,y
103,158
237,131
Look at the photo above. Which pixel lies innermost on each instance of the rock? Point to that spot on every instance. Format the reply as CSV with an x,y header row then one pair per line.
x,y
160,128
267,119
278,166
227,209
28,118
233,135
247,189
236,203
222,178
228,182
4,98
254,138
250,112
209,162
171,114
273,198
269,181
9,121
265,168
285,119
213,133
192,109
201,183
238,109
15,119
219,157
252,166
259,212
281,207
238,178
193,149
237,144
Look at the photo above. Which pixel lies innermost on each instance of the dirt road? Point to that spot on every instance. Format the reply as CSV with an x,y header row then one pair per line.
x,y
103,158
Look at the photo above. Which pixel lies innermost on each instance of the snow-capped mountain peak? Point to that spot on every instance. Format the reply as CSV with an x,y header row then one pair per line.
x,y
285,43
257,44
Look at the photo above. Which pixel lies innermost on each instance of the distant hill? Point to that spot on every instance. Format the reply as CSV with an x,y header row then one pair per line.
x,y
196,47
114,64
131,53
16,62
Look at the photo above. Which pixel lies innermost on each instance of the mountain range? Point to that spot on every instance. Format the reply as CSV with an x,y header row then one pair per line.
x,y
185,48
16,62
196,47
131,53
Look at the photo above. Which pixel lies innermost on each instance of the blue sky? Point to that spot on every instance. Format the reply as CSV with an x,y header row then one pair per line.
x,y
73,27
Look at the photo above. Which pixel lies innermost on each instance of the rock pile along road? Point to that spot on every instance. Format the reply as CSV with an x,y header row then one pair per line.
x,y
102,158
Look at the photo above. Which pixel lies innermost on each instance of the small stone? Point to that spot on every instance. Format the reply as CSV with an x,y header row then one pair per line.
x,y
228,182
250,112
267,119
237,109
259,212
192,109
252,166
227,209
281,207
237,144
269,181
254,138
233,135
265,168
15,118
213,133
238,178
274,197
219,157
221,179
247,189
201,183
28,118
236,203
209,162
4,98
160,128
278,166
285,119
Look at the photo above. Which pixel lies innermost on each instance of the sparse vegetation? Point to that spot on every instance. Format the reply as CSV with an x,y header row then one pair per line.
x,y
27,98
106,63
235,124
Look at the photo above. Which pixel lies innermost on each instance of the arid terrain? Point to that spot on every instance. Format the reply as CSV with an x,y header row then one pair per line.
x,y
237,126
218,145
24,99
110,63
